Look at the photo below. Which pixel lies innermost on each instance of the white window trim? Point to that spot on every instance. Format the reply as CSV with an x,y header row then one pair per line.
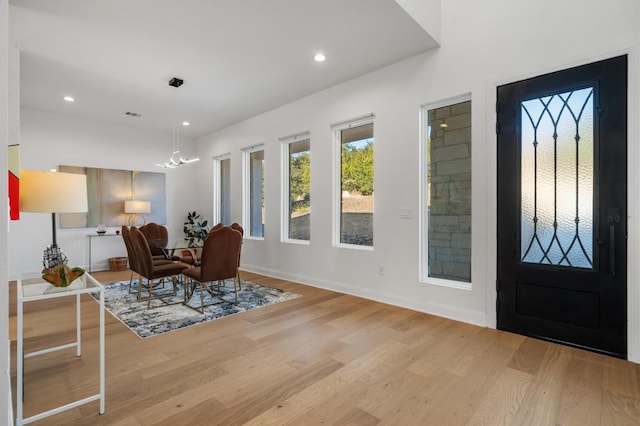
x,y
246,193
284,188
217,186
423,245
336,129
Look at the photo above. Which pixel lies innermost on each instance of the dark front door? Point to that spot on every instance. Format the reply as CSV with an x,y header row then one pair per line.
x,y
562,207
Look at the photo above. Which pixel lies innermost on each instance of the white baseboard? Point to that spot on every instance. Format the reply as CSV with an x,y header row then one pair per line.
x,y
450,312
10,393
101,266
22,275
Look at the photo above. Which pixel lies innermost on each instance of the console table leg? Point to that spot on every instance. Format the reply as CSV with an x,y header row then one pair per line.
x,y
78,327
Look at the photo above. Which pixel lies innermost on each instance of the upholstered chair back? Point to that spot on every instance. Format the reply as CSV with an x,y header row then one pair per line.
x,y
220,254
130,250
141,248
238,228
158,234
215,228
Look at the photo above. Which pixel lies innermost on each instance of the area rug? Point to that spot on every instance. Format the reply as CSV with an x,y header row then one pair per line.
x,y
171,315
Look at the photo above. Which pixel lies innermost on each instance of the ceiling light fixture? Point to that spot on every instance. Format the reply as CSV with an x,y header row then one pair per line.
x,y
176,158
69,99
319,57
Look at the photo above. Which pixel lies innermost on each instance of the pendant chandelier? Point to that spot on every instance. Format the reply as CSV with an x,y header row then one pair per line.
x,y
176,159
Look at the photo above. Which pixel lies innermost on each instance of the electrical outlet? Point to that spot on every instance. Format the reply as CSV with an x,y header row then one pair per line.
x,y
380,270
405,213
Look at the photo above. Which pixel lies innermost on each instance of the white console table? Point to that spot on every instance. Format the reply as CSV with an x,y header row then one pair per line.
x,y
92,237
34,289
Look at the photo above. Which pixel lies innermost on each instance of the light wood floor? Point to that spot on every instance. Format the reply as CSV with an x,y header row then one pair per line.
x,y
325,358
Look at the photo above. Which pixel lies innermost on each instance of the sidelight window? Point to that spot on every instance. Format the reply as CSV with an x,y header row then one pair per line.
x,y
446,193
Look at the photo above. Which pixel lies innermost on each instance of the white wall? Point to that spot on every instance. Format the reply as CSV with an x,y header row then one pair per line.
x,y
5,102
49,140
484,44
426,13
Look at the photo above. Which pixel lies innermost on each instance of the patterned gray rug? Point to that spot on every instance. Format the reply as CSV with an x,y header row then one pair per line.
x,y
164,317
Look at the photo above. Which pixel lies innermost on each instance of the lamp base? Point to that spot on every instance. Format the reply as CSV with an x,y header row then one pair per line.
x,y
137,220
53,256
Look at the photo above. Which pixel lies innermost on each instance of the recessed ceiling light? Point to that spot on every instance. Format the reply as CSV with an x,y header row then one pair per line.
x,y
319,57
69,99
186,123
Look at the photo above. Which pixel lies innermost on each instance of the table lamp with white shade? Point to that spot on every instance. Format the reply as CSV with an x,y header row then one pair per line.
x,y
53,192
135,208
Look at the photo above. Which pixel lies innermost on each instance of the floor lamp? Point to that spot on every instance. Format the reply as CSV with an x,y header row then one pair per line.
x,y
53,192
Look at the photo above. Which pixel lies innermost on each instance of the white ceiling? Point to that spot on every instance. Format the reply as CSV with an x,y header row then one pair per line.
x,y
238,58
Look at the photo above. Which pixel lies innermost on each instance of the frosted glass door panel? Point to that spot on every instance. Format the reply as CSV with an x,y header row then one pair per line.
x,y
557,179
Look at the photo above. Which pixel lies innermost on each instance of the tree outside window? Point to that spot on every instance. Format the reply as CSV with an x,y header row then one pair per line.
x,y
356,185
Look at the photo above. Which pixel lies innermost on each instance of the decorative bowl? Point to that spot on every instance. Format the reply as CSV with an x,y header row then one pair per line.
x,y
61,275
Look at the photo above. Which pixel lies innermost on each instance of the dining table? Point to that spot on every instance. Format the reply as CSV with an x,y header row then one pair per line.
x,y
170,249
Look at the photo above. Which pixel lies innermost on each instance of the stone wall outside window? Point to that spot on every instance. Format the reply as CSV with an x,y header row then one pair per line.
x,y
449,174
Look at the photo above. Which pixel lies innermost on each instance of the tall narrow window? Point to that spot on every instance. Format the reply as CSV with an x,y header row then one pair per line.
x,y
296,188
253,191
353,221
446,199
222,189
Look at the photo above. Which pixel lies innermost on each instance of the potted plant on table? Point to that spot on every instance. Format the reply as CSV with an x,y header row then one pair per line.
x,y
194,230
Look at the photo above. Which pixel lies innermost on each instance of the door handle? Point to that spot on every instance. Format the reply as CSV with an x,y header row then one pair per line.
x,y
612,250
613,217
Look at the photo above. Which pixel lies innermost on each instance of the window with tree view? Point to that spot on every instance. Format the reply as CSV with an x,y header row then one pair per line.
x,y
356,184
298,208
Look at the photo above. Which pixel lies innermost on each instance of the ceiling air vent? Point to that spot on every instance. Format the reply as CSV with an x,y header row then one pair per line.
x,y
133,114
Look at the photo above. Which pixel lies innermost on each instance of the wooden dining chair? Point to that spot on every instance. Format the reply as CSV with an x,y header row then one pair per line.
x,y
155,274
192,256
158,238
133,262
219,262
131,255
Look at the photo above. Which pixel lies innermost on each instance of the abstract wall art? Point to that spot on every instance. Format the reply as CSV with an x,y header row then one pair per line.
x,y
108,189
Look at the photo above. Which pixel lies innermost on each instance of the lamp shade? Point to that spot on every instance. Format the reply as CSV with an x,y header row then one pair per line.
x,y
137,206
52,192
